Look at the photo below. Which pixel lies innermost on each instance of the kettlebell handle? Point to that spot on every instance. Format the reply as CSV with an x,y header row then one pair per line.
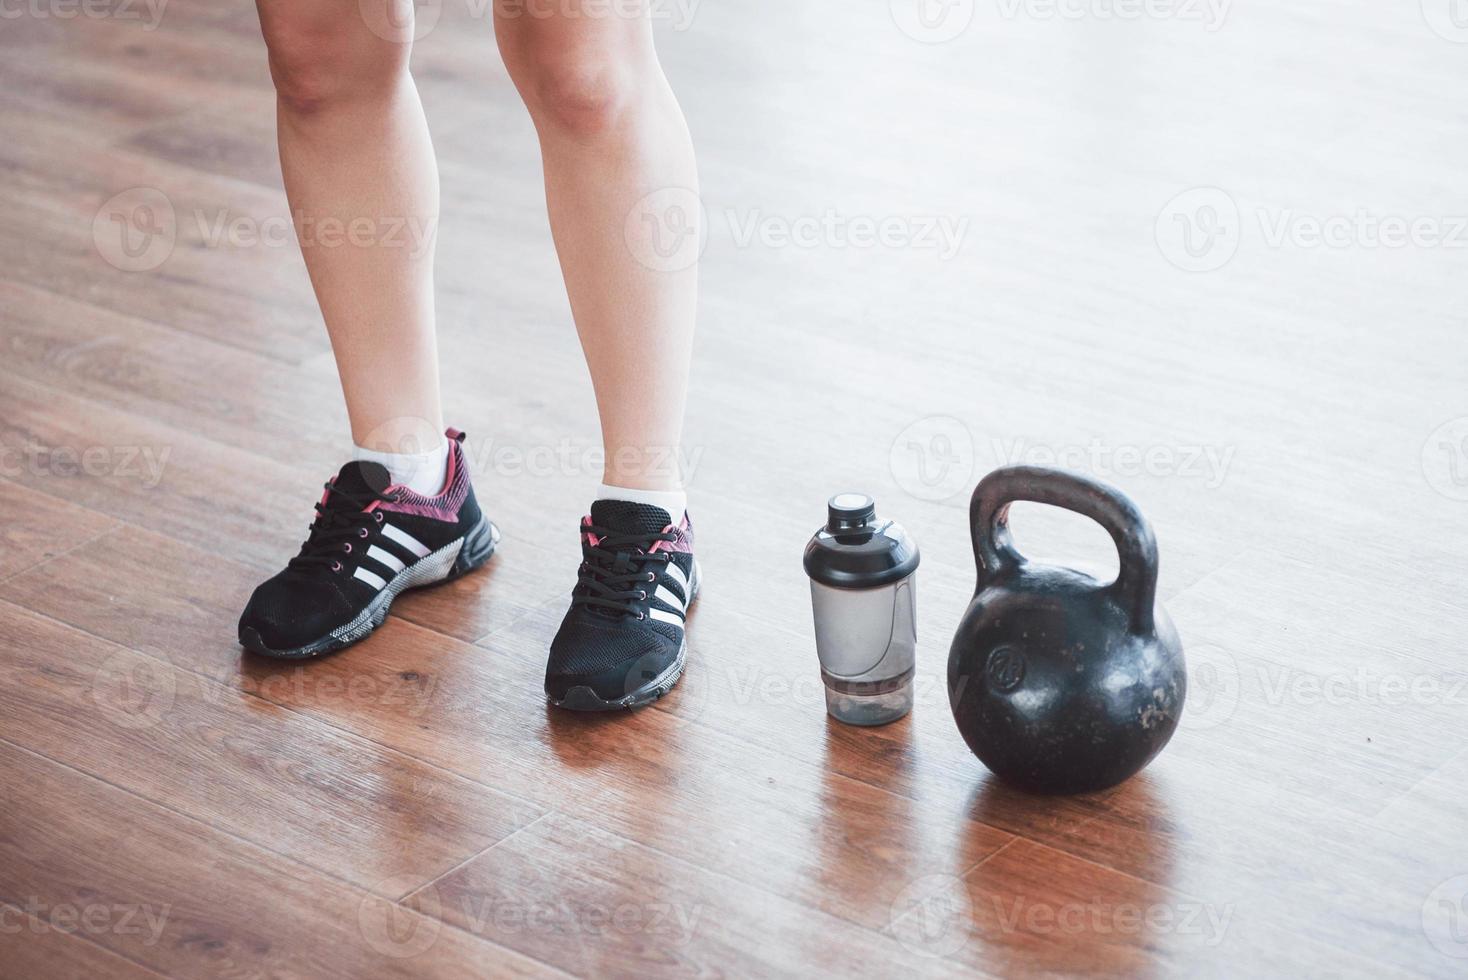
x,y
996,556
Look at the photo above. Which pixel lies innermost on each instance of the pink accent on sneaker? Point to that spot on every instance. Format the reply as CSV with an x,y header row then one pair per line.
x,y
592,538
684,541
445,506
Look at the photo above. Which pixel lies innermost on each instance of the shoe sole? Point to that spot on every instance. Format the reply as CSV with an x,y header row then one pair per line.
x,y
452,561
582,698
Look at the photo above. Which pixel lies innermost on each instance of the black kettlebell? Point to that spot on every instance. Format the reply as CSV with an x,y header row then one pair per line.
x,y
1061,683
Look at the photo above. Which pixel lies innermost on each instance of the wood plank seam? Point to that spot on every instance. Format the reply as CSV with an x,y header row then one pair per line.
x,y
470,859
117,526
1015,836
82,936
252,845
881,789
346,734
181,333
135,416
397,751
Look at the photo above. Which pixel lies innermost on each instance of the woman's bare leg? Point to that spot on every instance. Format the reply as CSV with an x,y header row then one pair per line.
x,y
363,189
612,133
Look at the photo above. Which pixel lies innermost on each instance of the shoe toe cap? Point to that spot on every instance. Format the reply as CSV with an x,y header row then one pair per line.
x,y
291,612
610,664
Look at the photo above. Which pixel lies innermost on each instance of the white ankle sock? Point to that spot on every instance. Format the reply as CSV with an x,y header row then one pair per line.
x,y
423,473
675,502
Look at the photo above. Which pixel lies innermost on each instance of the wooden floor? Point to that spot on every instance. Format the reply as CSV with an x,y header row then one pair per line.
x,y
1292,415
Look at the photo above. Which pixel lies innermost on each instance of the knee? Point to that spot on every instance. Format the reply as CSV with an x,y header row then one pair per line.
x,y
580,95
317,67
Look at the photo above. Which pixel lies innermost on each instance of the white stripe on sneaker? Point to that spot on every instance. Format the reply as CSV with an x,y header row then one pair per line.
x,y
678,576
376,581
666,595
663,616
386,558
405,539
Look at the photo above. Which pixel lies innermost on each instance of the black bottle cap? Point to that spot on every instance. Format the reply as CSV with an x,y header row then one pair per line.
x,y
856,550
849,510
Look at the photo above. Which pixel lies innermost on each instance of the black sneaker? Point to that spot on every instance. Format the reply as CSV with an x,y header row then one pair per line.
x,y
622,643
369,542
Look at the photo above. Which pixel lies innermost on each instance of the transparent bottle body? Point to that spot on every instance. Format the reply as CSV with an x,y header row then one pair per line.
x,y
866,640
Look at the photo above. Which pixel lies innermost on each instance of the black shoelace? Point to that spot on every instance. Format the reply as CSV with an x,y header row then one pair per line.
x,y
615,576
339,524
